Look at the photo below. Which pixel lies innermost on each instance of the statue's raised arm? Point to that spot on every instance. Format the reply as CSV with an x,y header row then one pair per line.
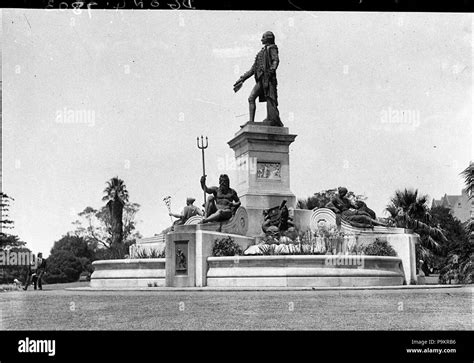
x,y
221,205
211,190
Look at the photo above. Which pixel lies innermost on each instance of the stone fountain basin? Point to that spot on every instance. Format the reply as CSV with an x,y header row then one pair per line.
x,y
305,271
129,273
260,271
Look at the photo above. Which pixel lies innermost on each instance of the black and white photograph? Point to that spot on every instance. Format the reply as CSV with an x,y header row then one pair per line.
x,y
200,170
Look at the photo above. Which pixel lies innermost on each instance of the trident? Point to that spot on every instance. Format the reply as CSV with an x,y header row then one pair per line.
x,y
202,147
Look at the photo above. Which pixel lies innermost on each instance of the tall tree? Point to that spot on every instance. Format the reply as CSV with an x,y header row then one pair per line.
x,y
5,221
10,241
7,239
460,265
468,175
116,195
457,236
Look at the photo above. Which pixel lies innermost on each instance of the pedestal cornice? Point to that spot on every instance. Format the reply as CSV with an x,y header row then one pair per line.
x,y
258,134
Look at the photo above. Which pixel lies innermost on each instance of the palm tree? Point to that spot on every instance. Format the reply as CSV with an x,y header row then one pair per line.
x,y
468,175
410,210
116,195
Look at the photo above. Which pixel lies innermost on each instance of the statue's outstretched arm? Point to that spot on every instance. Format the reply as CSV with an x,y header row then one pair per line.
x,y
211,190
248,74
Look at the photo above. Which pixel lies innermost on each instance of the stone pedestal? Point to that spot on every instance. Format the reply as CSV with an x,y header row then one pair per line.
x,y
263,170
194,243
263,163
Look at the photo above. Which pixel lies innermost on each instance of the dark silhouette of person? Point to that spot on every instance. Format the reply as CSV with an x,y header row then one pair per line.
x,y
35,273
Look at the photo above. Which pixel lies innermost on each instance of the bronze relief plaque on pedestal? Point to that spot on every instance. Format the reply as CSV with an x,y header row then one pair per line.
x,y
270,170
181,253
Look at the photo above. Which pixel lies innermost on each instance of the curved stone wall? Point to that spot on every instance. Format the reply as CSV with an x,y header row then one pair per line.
x,y
303,271
149,272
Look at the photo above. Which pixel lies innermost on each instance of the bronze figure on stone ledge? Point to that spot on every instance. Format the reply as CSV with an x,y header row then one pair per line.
x,y
357,214
264,70
189,211
277,220
223,202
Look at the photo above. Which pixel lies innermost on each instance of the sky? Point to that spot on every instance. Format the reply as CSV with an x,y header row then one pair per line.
x,y
379,101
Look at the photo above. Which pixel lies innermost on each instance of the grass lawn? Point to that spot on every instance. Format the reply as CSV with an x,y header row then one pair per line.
x,y
13,287
57,309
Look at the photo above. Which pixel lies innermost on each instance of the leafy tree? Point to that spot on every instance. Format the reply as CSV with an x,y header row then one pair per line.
x,y
63,266
458,264
409,210
11,242
96,227
77,245
69,256
6,239
457,237
5,221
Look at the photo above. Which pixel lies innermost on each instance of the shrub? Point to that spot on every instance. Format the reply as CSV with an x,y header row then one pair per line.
x,y
460,272
63,266
69,257
267,250
379,248
226,247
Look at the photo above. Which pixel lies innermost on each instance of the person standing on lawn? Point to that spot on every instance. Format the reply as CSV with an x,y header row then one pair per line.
x,y
35,273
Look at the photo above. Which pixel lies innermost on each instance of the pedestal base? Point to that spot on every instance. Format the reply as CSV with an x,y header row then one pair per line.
x,y
196,245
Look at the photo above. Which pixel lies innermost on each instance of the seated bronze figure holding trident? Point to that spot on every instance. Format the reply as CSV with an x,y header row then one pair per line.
x,y
264,69
223,202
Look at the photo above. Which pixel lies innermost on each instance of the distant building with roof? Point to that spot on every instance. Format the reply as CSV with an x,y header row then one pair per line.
x,y
461,207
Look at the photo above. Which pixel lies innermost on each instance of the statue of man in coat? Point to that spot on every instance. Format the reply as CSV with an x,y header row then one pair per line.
x,y
264,70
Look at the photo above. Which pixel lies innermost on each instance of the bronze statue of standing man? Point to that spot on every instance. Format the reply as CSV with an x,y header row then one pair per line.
x,y
264,69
